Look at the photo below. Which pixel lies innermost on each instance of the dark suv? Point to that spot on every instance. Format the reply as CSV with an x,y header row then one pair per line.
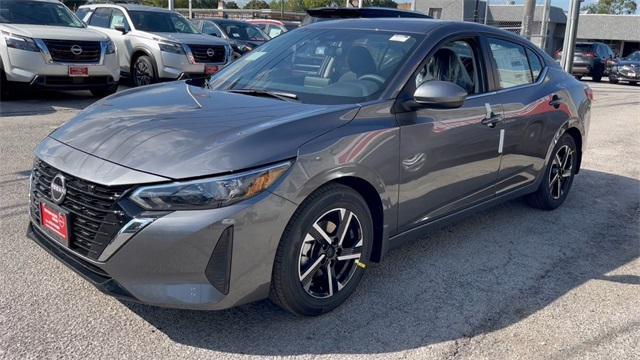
x,y
590,59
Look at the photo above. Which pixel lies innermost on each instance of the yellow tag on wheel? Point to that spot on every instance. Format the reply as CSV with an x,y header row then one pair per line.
x,y
361,265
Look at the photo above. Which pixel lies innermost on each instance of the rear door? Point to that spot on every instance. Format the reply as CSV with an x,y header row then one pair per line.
x,y
532,111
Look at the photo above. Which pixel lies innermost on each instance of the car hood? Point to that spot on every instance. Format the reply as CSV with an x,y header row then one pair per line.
x,y
200,39
181,131
54,32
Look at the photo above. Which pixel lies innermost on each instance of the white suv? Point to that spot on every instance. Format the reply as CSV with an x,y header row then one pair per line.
x,y
42,43
156,44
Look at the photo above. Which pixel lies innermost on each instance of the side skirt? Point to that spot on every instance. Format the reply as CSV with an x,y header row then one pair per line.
x,y
420,231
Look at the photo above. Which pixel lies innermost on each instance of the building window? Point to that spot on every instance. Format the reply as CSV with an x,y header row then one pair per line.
x,y
435,13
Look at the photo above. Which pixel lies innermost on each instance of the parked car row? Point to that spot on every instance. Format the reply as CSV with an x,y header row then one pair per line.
x,y
596,60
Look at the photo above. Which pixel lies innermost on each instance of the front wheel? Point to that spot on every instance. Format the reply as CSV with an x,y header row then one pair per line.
x,y
613,80
105,91
558,176
143,72
319,261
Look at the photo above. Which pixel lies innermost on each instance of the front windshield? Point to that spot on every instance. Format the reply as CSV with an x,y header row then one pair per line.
x,y
635,56
37,13
322,66
160,21
238,30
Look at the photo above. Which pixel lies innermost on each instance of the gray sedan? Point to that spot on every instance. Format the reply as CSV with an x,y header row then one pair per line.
x,y
303,162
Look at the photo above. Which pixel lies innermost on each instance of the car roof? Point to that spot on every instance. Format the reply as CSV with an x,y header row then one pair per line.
x,y
330,12
410,25
134,7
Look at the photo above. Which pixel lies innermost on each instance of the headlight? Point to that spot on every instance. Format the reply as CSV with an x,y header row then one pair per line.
x,y
208,193
20,42
173,48
111,47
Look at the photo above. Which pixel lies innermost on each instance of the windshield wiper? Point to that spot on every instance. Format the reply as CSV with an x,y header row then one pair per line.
x,y
284,96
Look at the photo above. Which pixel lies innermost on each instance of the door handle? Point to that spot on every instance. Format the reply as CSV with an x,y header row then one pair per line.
x,y
492,120
556,101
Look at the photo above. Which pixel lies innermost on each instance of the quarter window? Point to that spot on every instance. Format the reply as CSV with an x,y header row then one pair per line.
x,y
511,62
101,18
210,29
535,64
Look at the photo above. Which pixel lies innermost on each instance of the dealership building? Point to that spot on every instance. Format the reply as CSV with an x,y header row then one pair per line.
x,y
620,32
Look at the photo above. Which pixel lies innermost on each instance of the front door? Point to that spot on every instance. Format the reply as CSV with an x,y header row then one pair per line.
x,y
449,157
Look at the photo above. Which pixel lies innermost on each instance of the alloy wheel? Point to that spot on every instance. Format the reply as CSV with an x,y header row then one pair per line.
x,y
330,252
561,172
143,73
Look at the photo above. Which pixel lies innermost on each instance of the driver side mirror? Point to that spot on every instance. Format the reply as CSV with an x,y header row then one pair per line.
x,y
120,28
437,94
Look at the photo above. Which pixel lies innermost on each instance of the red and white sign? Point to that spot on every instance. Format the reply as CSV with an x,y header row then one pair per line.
x,y
78,71
55,222
211,69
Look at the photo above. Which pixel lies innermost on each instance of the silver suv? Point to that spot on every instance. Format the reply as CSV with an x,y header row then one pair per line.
x,y
42,43
156,44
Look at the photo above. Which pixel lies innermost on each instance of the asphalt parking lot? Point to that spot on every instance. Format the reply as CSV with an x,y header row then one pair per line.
x,y
511,282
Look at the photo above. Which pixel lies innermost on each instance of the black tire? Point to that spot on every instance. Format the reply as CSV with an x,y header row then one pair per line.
x,y
597,74
294,257
552,193
578,77
105,91
633,83
613,80
143,72
4,86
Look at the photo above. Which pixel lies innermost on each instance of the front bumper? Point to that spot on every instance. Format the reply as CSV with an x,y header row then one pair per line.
x,y
625,76
177,66
186,259
31,68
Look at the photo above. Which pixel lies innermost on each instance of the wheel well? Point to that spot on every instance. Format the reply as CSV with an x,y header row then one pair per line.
x,y
577,137
371,196
135,57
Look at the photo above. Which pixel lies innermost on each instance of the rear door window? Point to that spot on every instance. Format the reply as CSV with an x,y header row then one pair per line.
x,y
511,63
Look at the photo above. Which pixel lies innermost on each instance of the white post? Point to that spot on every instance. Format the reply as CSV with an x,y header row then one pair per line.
x,y
171,5
486,11
190,10
359,3
570,35
544,28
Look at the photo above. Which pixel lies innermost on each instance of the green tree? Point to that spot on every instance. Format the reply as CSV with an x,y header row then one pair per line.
x,y
230,5
257,4
381,3
614,7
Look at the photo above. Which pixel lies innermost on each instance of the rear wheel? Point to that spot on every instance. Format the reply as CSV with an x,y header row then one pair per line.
x,y
578,77
558,176
319,260
143,72
634,83
613,80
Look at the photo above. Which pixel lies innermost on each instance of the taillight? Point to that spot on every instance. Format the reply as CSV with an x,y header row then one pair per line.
x,y
589,93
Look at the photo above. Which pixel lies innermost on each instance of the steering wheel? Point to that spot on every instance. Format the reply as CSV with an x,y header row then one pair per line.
x,y
373,77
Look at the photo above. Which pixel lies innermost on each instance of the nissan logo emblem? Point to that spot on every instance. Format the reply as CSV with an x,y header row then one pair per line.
x,y
210,52
76,50
58,189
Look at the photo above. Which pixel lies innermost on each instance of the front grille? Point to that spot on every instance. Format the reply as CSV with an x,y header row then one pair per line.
x,y
200,53
61,51
94,215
